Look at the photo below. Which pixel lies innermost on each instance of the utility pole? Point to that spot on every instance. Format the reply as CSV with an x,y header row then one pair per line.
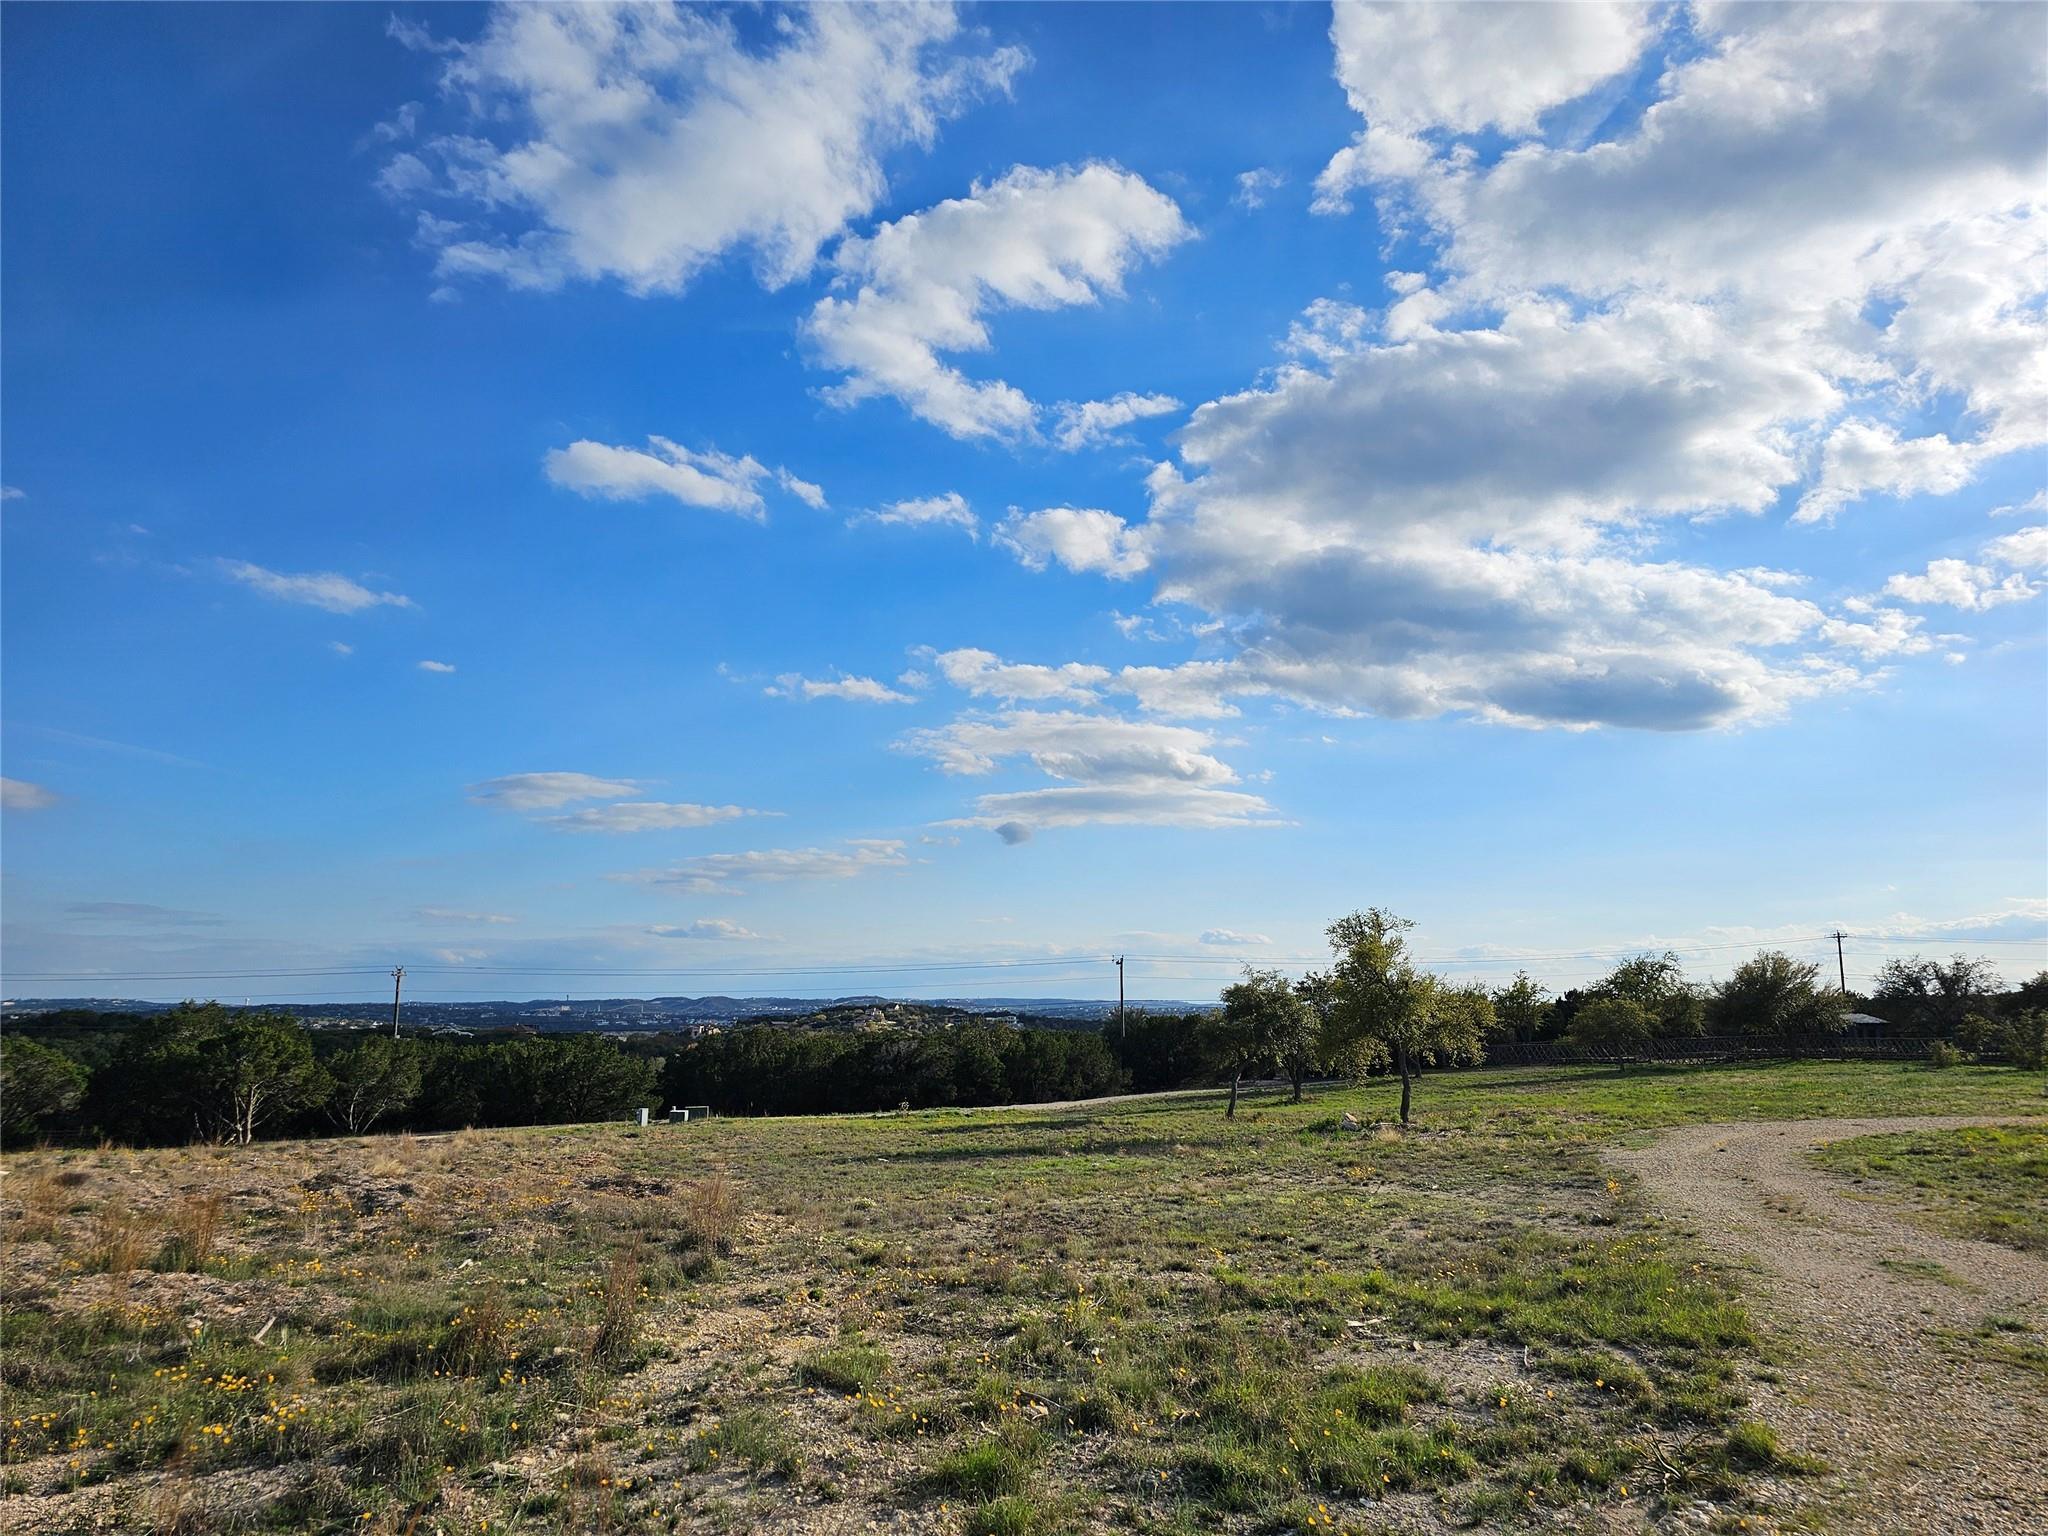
x,y
397,980
1841,965
1121,1031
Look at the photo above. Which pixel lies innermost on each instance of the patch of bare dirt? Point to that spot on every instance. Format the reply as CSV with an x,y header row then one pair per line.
x,y
1919,1437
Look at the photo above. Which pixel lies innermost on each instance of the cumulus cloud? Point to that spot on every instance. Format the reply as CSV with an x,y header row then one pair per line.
x,y
1108,770
857,690
2026,549
1079,538
925,284
436,666
1091,423
707,478
950,509
640,143
986,675
325,590
1811,270
1463,65
716,872
705,928
20,795
1959,584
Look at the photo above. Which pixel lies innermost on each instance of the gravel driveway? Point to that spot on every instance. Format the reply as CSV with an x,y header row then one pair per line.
x,y
1919,1436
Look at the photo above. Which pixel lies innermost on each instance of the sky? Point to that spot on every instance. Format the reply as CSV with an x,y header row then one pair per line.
x,y
766,500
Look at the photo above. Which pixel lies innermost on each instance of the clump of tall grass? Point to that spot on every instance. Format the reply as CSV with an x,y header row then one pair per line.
x,y
618,1324
711,1213
119,1242
195,1228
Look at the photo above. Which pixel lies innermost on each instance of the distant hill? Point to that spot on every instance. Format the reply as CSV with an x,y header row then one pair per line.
x,y
643,1013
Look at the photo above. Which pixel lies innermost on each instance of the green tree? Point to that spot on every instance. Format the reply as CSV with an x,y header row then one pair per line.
x,y
379,1077
1385,1008
201,1070
1934,996
38,1087
1658,984
1521,1008
1773,994
1613,1023
1261,1020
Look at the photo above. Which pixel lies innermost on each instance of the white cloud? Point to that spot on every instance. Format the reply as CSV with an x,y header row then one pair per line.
x,y
1861,457
715,872
645,816
951,508
1230,939
1815,261
856,690
436,666
1462,67
545,791
986,675
457,915
1111,771
341,648
2025,549
1091,423
325,590
1079,538
2038,502
12,493
20,795
706,478
641,143
1256,185
1959,584
705,928
924,284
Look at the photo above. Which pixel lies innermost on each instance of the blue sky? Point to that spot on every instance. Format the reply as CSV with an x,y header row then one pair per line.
x,y
993,488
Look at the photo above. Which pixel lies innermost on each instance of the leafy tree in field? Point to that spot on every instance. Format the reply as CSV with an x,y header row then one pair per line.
x,y
378,1077
1387,1009
1773,994
1658,984
1934,996
1521,1008
38,1087
1262,1020
2020,1037
1613,1024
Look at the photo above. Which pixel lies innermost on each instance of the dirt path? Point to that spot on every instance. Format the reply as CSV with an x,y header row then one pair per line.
x,y
1919,1436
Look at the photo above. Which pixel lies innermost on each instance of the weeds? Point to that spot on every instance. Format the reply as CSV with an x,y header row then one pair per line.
x,y
195,1227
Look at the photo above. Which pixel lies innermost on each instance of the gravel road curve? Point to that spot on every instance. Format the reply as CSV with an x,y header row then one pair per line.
x,y
1919,1436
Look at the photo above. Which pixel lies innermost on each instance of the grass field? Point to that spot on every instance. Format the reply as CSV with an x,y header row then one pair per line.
x,y
1135,1317
1990,1182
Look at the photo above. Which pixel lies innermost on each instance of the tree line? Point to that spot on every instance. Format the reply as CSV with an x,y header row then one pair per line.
x,y
205,1072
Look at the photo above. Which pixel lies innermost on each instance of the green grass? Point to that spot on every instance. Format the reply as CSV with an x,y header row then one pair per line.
x,y
1141,1317
1988,1182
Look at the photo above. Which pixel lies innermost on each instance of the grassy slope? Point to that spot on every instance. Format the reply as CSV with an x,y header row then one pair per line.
x,y
1142,1317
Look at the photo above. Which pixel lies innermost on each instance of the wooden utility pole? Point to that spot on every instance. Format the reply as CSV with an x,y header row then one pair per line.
x,y
1121,1032
1841,965
397,980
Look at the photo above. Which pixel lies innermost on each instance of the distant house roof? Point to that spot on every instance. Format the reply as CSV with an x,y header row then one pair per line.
x,y
1861,1018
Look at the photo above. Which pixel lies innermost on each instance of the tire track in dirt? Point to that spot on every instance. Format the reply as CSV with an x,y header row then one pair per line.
x,y
1918,1436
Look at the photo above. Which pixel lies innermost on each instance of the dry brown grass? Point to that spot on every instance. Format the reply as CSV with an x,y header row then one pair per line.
x,y
195,1231
120,1242
711,1212
618,1326
42,1199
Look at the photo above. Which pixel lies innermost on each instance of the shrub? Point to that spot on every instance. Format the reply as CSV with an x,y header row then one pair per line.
x,y
1941,1054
